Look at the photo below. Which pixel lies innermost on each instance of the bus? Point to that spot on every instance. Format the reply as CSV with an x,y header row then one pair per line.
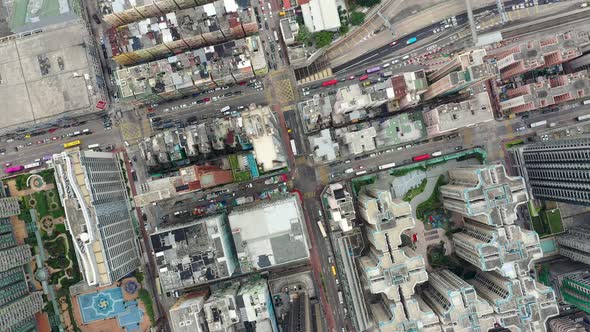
x,y
586,102
72,144
373,70
93,146
340,298
330,82
583,117
361,173
276,35
322,230
436,154
334,270
293,147
411,40
386,166
421,157
348,170
364,77
538,124
14,169
32,165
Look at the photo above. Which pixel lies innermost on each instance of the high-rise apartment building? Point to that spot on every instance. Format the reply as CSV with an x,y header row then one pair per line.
x,y
94,196
390,270
487,198
17,305
457,304
575,244
557,170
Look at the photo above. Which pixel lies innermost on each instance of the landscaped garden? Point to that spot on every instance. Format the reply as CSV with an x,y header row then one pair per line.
x,y
433,202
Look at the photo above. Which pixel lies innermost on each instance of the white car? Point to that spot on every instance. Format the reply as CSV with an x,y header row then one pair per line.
x,y
386,65
306,93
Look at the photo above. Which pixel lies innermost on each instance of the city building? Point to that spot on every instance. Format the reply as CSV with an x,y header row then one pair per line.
x,y
356,139
315,112
487,199
320,15
484,194
407,89
569,323
323,147
221,309
262,128
187,314
473,70
399,129
520,304
537,53
340,207
18,305
456,303
179,31
289,30
453,116
546,92
574,244
120,12
256,306
193,71
94,196
389,270
49,75
269,234
556,170
195,253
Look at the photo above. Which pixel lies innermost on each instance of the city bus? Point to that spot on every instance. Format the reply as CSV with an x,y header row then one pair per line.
x,y
322,230
330,82
14,169
373,70
364,77
93,146
386,166
32,165
276,35
72,144
583,117
411,40
538,124
421,157
361,173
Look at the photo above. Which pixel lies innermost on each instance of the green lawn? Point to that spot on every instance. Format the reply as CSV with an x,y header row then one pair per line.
x,y
242,176
358,183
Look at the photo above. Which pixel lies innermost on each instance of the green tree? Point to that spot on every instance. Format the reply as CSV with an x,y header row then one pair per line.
x,y
357,18
303,36
344,29
367,3
323,38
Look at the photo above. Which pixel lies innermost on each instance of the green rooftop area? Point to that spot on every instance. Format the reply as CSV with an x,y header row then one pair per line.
x,y
30,11
548,222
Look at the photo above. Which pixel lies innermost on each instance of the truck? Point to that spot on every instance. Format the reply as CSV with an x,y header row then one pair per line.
x,y
348,170
538,124
388,73
411,40
586,102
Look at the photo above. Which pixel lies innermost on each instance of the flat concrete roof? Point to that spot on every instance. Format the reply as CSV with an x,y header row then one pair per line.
x,y
269,234
43,75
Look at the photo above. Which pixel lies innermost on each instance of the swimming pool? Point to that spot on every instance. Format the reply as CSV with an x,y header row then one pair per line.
x,y
107,304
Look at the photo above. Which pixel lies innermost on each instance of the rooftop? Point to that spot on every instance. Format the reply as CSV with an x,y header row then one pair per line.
x,y
324,149
319,15
194,253
453,116
48,75
269,234
546,92
164,35
399,129
193,71
537,53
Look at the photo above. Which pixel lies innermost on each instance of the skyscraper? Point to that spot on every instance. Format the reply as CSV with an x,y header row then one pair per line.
x,y
17,305
94,196
556,170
